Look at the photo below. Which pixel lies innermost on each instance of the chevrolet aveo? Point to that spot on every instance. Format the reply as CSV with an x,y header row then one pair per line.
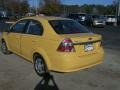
x,y
53,44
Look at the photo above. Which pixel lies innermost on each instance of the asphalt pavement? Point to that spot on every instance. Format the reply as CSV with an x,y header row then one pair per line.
x,y
18,74
110,35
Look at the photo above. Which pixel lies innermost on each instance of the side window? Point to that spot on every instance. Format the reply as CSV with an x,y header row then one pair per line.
x,y
35,28
19,27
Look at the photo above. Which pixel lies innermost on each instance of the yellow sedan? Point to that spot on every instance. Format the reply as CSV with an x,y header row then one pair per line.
x,y
53,44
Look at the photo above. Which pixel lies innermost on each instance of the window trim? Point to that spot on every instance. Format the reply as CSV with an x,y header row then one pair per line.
x,y
87,30
40,24
25,27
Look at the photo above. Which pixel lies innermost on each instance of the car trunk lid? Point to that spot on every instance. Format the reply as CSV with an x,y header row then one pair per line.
x,y
84,43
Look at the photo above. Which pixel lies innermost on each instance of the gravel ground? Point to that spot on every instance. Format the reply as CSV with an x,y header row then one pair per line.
x,y
18,74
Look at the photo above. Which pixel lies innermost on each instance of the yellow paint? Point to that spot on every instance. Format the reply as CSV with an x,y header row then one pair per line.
x,y
46,45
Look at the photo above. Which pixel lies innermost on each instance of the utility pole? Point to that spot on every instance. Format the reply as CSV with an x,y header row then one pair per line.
x,y
36,7
118,7
64,9
3,4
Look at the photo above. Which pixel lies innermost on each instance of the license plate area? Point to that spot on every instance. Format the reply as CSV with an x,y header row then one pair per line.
x,y
88,47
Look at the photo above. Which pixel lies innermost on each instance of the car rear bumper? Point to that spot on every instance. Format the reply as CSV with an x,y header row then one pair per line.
x,y
70,63
99,24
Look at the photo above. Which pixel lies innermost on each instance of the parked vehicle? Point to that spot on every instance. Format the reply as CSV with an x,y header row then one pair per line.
x,y
53,44
111,19
29,14
3,15
81,18
118,20
98,21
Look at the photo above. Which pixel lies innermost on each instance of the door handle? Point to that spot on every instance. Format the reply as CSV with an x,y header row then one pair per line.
x,y
17,38
33,40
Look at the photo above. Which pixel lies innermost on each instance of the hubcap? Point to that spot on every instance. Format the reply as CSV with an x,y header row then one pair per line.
x,y
39,65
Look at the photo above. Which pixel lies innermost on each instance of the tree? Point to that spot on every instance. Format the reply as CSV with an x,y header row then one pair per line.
x,y
88,8
16,6
51,7
24,6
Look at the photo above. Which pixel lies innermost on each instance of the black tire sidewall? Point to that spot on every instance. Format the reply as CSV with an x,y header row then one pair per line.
x,y
45,68
6,51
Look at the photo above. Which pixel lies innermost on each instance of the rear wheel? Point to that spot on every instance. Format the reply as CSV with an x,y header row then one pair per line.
x,y
40,66
4,48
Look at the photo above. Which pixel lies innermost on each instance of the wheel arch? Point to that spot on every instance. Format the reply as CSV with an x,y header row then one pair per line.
x,y
4,40
44,56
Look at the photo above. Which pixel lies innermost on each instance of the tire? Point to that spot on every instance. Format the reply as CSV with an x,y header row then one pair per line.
x,y
40,66
4,48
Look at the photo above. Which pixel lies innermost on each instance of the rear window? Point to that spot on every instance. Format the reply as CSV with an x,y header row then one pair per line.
x,y
68,27
111,16
95,16
82,14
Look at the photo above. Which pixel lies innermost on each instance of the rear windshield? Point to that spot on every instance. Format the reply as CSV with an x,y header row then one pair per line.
x,y
82,14
68,27
95,16
111,16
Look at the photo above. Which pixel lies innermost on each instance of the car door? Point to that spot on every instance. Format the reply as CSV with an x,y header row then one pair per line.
x,y
14,36
30,39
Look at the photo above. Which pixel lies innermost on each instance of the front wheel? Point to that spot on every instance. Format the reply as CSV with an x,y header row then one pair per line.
x,y
40,66
4,48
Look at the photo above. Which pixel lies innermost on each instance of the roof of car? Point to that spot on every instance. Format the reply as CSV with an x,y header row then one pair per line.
x,y
46,18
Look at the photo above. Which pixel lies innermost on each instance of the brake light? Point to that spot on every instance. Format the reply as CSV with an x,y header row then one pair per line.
x,y
66,46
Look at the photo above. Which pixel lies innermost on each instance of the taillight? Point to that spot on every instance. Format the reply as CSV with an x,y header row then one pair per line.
x,y
66,46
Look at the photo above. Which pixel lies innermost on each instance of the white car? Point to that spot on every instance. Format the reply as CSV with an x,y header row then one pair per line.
x,y
111,19
98,21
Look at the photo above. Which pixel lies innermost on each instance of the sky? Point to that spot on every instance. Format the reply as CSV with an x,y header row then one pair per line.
x,y
81,2
78,2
